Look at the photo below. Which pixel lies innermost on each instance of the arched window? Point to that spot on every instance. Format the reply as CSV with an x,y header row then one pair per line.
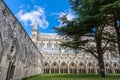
x,y
116,68
63,68
73,67
56,45
42,45
46,68
81,67
54,68
13,49
49,45
108,68
90,67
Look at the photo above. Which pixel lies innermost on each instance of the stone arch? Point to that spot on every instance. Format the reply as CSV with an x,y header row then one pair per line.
x,y
108,68
12,59
46,67
73,67
54,68
90,67
63,68
81,67
116,67
1,47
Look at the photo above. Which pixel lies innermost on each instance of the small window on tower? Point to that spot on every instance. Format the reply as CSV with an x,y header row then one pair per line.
x,y
49,45
41,45
56,45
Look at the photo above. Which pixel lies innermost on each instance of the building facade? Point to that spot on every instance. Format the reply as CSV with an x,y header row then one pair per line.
x,y
59,60
19,56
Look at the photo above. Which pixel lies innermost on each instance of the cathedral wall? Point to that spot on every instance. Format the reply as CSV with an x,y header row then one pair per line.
x,y
19,57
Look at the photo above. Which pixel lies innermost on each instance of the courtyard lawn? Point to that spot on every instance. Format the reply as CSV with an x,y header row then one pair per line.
x,y
74,77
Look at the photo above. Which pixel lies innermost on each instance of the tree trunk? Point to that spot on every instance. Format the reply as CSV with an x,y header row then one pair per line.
x,y
100,56
101,66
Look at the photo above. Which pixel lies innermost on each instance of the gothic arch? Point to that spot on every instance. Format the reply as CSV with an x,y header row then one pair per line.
x,y
81,67
73,67
12,59
1,47
108,68
90,67
54,68
46,67
116,67
63,68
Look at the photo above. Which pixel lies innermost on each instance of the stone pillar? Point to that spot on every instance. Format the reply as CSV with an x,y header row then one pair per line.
x,y
77,70
68,70
59,70
113,70
86,70
50,70
96,70
105,71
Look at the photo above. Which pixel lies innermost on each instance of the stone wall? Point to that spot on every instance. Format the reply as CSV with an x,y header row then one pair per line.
x,y
19,57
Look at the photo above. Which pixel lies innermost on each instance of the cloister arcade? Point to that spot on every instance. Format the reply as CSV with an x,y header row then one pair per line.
x,y
79,68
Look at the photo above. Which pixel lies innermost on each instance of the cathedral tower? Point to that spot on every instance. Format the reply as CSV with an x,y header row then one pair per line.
x,y
35,33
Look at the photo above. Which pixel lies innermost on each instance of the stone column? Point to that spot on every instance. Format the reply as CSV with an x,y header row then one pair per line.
x,y
105,71
96,70
113,70
59,70
86,68
50,70
77,70
68,70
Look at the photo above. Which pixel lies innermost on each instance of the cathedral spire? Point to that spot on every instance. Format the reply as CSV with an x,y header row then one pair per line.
x,y
35,28
35,25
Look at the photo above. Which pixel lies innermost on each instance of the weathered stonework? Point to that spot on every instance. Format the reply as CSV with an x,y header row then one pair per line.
x,y
19,57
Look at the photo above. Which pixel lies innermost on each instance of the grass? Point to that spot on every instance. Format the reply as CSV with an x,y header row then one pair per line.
x,y
74,77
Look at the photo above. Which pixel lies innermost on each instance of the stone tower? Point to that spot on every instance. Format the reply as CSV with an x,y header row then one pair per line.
x,y
35,33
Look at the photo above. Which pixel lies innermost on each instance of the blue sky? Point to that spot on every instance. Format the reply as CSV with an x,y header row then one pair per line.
x,y
46,12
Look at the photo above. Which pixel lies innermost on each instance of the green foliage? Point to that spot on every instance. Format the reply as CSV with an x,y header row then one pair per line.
x,y
91,23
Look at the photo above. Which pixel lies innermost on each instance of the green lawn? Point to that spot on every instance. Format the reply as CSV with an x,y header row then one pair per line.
x,y
74,77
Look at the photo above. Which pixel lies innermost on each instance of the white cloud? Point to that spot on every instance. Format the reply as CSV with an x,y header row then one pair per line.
x,y
33,15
